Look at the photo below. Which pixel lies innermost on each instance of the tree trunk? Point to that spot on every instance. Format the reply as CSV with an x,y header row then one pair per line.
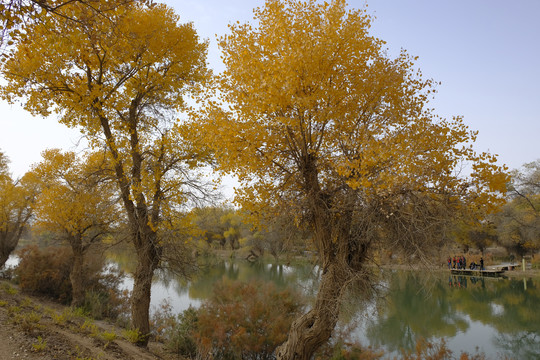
x,y
147,262
314,328
3,258
143,236
8,243
77,277
6,248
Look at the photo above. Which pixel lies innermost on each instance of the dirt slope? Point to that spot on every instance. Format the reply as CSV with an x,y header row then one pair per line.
x,y
34,328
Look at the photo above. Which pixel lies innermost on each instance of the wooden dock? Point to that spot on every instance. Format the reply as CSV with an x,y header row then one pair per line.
x,y
477,272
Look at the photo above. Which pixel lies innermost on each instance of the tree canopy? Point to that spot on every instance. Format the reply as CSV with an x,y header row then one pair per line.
x,y
17,15
75,200
310,88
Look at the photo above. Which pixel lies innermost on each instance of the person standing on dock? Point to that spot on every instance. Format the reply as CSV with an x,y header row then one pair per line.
x,y
449,262
464,263
481,263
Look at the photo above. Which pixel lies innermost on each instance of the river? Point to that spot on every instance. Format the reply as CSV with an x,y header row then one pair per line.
x,y
498,317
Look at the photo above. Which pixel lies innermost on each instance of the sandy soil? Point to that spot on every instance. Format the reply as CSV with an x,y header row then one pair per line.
x,y
34,328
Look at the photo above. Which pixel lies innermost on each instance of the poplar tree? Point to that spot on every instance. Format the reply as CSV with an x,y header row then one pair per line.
x,y
312,114
77,203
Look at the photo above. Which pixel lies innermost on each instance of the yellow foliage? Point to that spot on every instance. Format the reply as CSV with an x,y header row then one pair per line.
x,y
310,102
75,201
14,204
118,73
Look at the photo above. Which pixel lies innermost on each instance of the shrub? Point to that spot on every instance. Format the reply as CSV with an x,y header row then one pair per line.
x,y
6,273
45,272
89,328
104,299
425,350
132,335
40,345
344,350
29,322
176,332
9,289
108,336
105,303
61,319
245,320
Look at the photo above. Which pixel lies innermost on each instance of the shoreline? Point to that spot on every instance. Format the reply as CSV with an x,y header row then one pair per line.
x,y
514,274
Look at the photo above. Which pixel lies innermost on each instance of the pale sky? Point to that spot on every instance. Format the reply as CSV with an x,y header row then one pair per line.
x,y
486,53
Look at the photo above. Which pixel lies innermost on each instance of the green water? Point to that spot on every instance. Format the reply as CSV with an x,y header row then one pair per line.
x,y
498,317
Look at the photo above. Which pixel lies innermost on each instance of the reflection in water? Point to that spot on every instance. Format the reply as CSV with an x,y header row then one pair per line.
x,y
201,286
524,343
181,293
413,309
496,316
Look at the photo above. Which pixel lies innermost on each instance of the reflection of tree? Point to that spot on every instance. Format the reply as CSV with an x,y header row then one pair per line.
x,y
504,305
201,286
410,312
512,310
123,257
475,301
522,344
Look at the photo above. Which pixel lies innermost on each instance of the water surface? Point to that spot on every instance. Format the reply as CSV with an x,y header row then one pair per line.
x,y
499,317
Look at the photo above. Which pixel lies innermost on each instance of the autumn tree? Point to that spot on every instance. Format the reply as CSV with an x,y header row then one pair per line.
x,y
77,203
16,198
518,224
475,233
282,235
313,113
278,234
235,228
211,227
121,81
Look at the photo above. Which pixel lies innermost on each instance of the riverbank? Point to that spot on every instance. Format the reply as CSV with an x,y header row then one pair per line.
x,y
310,258
36,328
513,274
520,274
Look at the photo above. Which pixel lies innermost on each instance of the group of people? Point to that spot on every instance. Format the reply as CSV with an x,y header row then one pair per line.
x,y
460,263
